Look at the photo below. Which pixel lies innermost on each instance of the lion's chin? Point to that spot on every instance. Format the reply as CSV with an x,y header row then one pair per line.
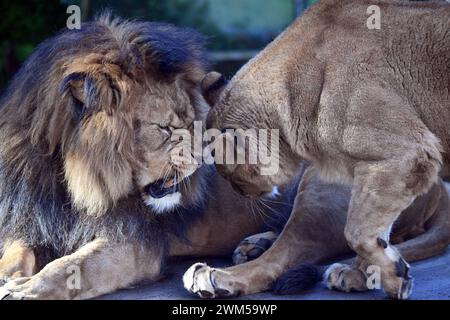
x,y
165,204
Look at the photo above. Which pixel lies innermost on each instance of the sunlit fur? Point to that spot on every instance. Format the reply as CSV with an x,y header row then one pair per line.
x,y
168,203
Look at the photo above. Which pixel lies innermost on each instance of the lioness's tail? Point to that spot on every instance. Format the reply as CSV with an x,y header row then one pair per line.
x,y
433,242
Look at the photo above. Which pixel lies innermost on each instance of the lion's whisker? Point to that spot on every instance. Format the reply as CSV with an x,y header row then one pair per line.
x,y
272,210
272,201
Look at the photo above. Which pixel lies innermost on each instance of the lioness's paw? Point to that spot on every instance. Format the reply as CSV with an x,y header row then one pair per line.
x,y
253,247
204,281
342,277
398,283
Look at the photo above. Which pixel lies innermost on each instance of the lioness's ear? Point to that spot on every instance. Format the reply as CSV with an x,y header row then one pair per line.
x,y
212,86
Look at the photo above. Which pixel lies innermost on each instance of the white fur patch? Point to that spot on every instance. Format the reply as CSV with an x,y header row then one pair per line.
x,y
387,235
275,192
4,293
392,254
165,204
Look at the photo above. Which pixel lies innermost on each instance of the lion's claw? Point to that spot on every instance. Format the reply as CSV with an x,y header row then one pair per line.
x,y
4,293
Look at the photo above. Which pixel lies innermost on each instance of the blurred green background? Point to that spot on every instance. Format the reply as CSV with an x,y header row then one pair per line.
x,y
236,29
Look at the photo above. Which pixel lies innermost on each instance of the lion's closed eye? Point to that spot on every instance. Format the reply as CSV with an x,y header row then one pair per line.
x,y
153,136
165,128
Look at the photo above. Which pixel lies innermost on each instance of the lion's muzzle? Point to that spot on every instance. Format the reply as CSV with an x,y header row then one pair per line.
x,y
160,189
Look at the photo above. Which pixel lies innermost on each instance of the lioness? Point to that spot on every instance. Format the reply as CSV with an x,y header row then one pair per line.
x,y
422,231
369,108
91,199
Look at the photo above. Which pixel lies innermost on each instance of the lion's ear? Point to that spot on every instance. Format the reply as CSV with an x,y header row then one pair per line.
x,y
212,86
81,91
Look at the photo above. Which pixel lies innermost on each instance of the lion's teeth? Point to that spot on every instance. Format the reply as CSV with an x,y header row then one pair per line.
x,y
169,183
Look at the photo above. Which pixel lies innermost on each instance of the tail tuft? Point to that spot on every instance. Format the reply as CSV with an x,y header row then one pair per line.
x,y
298,279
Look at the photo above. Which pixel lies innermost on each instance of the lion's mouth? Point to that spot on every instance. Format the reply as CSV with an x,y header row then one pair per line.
x,y
162,188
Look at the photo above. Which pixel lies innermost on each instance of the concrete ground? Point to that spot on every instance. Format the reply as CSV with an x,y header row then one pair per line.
x,y
431,282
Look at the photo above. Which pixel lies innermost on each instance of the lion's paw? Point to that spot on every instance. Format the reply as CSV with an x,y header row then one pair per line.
x,y
4,293
17,289
207,282
253,247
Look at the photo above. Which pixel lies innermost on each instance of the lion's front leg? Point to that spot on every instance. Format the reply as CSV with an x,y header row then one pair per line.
x,y
258,275
97,268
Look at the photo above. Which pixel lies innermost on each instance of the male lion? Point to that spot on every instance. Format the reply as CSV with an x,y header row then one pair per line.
x,y
91,199
367,107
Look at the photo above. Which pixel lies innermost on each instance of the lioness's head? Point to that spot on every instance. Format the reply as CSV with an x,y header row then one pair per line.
x,y
108,98
241,107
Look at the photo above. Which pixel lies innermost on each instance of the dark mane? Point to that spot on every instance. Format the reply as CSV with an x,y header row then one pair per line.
x,y
164,48
35,127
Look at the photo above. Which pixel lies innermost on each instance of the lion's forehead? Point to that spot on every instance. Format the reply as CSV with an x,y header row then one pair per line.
x,y
167,106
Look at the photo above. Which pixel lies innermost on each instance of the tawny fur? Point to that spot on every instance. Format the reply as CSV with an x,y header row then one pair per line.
x,y
314,235
368,108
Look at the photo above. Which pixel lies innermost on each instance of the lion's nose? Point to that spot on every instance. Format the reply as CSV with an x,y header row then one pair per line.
x,y
157,189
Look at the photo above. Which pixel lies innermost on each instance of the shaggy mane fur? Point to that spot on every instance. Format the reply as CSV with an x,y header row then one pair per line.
x,y
66,79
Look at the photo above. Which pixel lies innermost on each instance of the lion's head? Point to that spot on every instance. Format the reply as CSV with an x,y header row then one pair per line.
x,y
107,99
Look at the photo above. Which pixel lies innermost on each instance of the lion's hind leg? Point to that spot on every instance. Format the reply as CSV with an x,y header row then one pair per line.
x,y
17,261
253,247
436,238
